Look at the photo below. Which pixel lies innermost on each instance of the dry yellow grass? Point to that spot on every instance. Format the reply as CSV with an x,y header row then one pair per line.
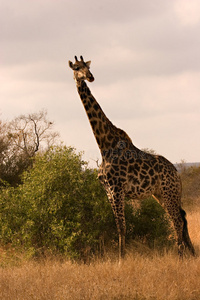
x,y
140,276
193,218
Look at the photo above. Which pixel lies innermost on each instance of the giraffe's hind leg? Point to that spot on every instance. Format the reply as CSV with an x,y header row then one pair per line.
x,y
178,217
180,224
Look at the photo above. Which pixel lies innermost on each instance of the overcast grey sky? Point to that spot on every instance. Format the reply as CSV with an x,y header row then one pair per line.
x,y
145,59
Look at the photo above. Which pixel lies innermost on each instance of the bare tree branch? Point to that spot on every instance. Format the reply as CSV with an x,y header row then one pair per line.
x,y
21,139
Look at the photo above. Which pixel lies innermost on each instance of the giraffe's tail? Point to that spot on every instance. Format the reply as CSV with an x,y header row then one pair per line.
x,y
186,238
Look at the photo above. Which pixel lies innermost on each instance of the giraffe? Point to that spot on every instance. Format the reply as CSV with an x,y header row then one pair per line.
x,y
127,171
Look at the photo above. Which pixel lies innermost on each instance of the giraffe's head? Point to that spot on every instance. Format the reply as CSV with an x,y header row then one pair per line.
x,y
81,70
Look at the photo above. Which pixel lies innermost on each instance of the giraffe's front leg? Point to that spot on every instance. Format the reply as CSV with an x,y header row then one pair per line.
x,y
121,246
121,224
116,199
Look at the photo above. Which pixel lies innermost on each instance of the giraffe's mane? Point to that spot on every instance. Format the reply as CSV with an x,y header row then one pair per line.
x,y
120,132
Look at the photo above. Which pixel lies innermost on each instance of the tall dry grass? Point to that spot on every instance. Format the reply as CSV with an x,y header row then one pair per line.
x,y
142,275
138,277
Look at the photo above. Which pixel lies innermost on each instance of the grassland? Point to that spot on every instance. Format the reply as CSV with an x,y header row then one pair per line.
x,y
144,274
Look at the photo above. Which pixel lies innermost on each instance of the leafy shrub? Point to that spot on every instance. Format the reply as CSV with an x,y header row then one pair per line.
x,y
62,207
150,224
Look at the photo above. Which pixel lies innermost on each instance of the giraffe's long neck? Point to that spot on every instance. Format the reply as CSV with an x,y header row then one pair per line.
x,y
106,134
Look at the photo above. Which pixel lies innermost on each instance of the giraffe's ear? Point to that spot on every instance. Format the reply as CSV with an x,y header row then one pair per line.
x,y
71,65
88,63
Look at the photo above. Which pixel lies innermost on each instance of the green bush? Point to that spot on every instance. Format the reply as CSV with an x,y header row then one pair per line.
x,y
61,207
150,224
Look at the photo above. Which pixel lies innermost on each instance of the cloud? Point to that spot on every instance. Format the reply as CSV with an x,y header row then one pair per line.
x,y
145,59
142,97
188,12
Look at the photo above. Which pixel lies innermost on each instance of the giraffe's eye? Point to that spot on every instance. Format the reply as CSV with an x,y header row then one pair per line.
x,y
76,68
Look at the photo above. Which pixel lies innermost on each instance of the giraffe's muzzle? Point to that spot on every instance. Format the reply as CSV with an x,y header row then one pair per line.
x,y
91,78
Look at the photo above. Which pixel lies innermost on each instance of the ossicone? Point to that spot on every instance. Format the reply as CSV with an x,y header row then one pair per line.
x,y
81,57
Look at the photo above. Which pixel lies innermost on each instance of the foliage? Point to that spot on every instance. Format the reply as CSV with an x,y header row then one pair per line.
x,y
150,224
62,207
191,187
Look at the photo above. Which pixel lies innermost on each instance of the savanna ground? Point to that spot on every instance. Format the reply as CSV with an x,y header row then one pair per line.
x,y
143,274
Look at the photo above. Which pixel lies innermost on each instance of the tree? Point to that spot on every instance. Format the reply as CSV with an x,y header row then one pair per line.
x,y
4,150
20,140
32,132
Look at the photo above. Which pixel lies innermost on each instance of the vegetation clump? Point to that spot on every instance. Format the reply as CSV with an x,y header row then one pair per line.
x,y
61,207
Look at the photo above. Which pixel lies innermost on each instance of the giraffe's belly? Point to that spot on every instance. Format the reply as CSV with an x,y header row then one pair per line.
x,y
140,188
136,192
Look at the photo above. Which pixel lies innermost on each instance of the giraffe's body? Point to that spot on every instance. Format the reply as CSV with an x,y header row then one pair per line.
x,y
128,171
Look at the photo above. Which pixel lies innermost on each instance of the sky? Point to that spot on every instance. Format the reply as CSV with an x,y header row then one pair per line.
x,y
145,57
